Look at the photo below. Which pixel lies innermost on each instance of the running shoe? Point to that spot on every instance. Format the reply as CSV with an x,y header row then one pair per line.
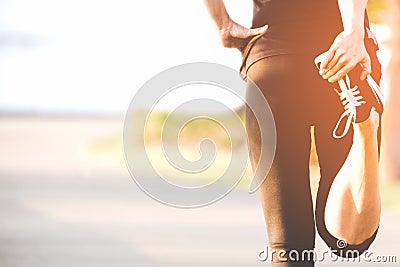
x,y
358,98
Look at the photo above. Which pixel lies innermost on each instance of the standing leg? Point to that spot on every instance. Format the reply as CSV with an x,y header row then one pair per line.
x,y
285,193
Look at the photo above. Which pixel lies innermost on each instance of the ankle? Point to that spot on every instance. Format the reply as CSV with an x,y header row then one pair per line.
x,y
370,125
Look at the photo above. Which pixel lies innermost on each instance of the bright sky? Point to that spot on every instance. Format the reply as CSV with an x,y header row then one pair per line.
x,y
92,55
88,55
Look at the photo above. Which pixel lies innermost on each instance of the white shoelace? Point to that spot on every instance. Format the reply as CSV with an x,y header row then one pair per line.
x,y
380,98
351,99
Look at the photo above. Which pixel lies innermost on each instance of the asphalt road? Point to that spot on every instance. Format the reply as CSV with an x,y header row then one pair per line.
x,y
61,206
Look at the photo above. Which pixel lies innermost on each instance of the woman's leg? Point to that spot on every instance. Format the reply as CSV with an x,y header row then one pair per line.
x,y
348,203
285,193
348,200
352,211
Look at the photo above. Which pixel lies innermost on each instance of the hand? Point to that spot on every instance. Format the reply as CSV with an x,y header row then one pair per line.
x,y
345,53
234,35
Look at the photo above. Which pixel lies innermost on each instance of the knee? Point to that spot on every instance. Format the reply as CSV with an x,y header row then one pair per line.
x,y
348,248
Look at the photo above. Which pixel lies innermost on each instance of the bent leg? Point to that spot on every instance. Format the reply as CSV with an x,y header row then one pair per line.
x,y
348,200
352,211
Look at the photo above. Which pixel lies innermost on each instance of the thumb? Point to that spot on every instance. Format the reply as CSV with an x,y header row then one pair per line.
x,y
366,68
259,30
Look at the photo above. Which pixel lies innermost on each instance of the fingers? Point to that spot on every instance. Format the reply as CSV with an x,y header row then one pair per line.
x,y
339,71
328,61
367,69
237,36
345,53
257,31
338,67
242,38
343,65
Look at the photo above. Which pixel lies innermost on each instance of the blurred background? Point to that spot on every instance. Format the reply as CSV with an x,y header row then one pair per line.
x,y
68,71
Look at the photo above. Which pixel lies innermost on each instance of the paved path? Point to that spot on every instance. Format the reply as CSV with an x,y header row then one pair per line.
x,y
61,205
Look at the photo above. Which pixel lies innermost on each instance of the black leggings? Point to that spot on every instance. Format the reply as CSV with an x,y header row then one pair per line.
x,y
299,98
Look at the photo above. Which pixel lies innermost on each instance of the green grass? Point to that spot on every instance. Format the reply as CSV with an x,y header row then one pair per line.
x,y
109,149
194,130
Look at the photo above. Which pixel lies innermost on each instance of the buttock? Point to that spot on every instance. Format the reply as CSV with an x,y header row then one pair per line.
x,y
294,89
292,85
293,37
